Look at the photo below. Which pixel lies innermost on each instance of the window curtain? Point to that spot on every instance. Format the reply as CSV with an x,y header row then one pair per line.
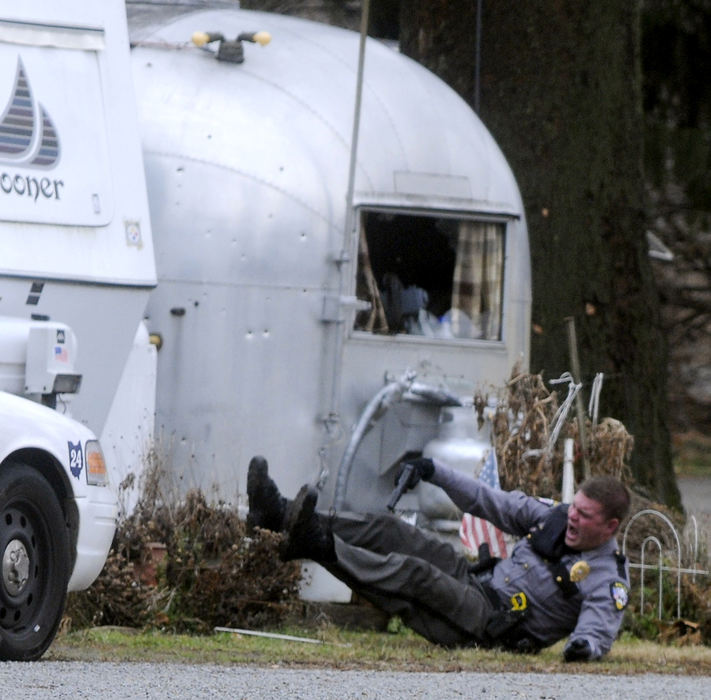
x,y
477,289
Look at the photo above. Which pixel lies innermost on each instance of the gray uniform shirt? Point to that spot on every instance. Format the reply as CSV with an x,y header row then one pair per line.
x,y
594,613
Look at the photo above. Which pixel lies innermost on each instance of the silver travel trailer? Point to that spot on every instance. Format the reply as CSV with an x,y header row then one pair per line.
x,y
331,333
76,268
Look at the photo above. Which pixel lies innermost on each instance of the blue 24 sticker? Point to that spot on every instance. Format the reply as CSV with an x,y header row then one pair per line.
x,y
76,458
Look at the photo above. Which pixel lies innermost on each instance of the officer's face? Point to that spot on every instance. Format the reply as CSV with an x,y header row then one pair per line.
x,y
587,526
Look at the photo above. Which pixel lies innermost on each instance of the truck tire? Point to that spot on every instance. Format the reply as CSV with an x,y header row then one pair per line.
x,y
34,563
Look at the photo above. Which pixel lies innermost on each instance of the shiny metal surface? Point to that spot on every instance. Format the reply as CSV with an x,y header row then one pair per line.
x,y
15,567
460,444
247,167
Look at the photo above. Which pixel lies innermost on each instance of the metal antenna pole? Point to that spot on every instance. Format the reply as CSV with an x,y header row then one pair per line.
x,y
349,225
580,411
365,13
477,64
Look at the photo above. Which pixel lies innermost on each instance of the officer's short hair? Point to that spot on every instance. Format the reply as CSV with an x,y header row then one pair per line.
x,y
610,493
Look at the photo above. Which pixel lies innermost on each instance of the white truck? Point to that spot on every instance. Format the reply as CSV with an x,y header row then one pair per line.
x,y
76,268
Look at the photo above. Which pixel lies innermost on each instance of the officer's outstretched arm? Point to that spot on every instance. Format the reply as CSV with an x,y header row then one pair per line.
x,y
510,511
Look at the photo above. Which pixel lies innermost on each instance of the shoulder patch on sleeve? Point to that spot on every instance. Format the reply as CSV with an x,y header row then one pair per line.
x,y
620,594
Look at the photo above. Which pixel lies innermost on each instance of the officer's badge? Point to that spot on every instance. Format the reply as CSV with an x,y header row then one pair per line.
x,y
620,594
579,571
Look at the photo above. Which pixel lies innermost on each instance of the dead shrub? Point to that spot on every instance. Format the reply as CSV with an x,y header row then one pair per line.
x,y
210,571
524,425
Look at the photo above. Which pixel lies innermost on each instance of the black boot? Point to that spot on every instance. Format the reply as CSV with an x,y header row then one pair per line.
x,y
304,536
267,507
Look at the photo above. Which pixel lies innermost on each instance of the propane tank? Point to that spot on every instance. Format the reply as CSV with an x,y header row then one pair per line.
x,y
461,445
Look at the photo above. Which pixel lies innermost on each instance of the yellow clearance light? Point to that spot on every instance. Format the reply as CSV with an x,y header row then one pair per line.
x,y
201,38
96,472
262,38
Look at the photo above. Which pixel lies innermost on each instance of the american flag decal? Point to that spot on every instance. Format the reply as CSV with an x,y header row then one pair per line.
x,y
474,531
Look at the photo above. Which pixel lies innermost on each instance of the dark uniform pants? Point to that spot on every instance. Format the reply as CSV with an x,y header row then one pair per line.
x,y
410,572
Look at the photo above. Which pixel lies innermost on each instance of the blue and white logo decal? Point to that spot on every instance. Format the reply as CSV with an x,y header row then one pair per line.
x,y
28,136
76,458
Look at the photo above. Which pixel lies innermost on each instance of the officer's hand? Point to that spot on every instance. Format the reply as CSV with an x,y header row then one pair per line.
x,y
422,468
577,650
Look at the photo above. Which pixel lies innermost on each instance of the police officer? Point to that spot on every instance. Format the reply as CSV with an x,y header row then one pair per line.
x,y
565,577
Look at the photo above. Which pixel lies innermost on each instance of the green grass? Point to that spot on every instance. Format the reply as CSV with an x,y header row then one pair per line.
x,y
342,649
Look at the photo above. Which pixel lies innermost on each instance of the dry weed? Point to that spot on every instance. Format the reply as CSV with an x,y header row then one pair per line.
x,y
525,422
210,572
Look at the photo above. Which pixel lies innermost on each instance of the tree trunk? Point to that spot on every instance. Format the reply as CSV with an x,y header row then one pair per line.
x,y
561,93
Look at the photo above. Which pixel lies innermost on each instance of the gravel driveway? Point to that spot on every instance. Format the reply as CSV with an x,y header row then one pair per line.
x,y
58,679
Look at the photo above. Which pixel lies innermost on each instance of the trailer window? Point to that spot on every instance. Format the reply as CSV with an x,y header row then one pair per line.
x,y
433,276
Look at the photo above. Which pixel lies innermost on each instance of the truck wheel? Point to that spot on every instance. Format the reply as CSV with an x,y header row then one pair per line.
x,y
34,560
